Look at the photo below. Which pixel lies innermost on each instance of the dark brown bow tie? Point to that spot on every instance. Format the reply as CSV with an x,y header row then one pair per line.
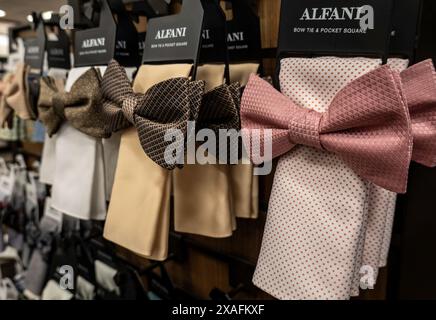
x,y
166,106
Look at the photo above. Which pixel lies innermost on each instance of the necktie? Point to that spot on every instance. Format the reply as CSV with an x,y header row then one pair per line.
x,y
138,215
202,195
318,206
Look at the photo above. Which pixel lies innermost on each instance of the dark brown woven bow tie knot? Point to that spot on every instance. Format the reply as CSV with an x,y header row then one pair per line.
x,y
220,111
166,107
220,108
129,105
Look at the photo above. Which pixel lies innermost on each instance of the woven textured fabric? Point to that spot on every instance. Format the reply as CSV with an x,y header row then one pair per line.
x,y
419,82
220,111
167,105
419,85
81,107
139,210
245,185
317,210
202,207
47,114
78,179
381,209
220,108
367,125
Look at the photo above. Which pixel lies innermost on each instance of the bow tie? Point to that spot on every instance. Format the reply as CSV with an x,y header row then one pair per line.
x,y
81,107
419,84
165,107
367,124
14,97
219,107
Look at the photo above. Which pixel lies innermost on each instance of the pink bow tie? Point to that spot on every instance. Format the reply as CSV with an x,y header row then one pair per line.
x,y
367,124
419,85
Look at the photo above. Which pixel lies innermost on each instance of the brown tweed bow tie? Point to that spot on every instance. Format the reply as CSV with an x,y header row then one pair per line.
x,y
81,107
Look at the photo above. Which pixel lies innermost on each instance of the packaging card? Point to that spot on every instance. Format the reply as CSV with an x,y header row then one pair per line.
x,y
346,27
175,38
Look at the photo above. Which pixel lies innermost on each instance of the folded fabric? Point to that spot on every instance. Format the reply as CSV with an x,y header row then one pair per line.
x,y
138,215
419,84
53,291
105,277
201,206
15,99
319,280
46,170
85,290
244,184
317,209
5,111
78,184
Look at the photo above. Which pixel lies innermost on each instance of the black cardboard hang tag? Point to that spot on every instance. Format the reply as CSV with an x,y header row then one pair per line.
x,y
151,8
343,27
35,47
86,13
58,51
141,44
243,33
214,44
126,51
175,38
406,18
96,46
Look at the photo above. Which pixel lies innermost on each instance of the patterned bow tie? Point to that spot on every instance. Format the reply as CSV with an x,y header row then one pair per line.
x,y
219,108
419,85
166,106
81,107
367,125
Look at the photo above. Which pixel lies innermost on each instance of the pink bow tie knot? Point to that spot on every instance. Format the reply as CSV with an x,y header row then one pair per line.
x,y
367,124
304,127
